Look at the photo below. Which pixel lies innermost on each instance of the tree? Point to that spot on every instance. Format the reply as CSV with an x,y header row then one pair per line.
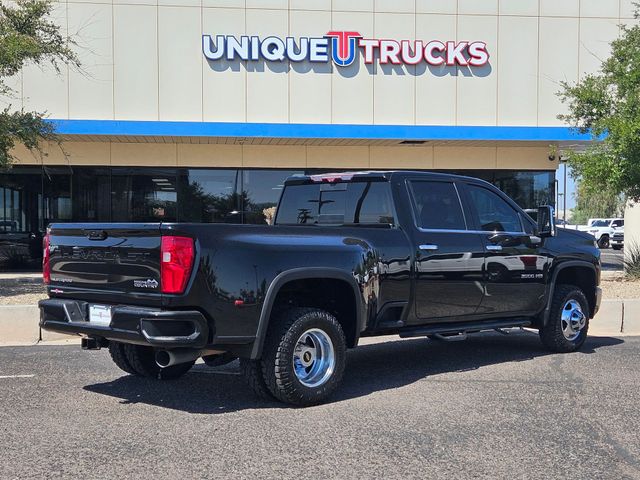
x,y
593,203
27,35
607,103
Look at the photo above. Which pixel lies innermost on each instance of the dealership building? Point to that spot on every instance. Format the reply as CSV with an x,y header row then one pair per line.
x,y
197,110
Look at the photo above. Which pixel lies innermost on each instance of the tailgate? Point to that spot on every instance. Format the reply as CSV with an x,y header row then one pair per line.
x,y
116,258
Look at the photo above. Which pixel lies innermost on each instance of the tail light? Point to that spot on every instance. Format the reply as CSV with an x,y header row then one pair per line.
x,y
46,265
176,261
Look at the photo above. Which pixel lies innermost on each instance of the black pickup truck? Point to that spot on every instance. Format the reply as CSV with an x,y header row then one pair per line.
x,y
349,255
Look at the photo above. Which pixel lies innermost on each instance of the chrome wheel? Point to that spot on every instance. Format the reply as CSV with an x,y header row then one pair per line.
x,y
572,320
314,358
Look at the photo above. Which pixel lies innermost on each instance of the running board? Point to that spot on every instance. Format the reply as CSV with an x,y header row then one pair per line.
x,y
461,329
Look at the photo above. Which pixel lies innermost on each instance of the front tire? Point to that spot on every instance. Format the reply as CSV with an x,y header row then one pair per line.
x,y
304,356
143,361
604,242
568,322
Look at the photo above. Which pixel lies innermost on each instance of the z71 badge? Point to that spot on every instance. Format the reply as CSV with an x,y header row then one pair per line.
x,y
149,283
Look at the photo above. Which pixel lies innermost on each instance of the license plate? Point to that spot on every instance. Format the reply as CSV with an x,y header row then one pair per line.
x,y
100,315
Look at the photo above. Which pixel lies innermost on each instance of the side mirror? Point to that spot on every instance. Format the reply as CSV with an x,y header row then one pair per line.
x,y
546,222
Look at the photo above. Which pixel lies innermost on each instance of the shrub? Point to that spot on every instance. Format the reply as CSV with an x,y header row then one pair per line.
x,y
632,260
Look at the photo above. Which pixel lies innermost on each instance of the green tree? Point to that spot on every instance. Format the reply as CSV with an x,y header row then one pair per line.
x,y
607,103
594,203
28,36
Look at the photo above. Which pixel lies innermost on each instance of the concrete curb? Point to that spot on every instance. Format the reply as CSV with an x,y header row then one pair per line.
x,y
19,323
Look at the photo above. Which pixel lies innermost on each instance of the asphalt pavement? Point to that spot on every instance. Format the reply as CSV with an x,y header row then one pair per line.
x,y
494,406
611,259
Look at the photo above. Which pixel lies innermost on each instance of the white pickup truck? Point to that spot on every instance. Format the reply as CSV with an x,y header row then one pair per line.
x,y
604,229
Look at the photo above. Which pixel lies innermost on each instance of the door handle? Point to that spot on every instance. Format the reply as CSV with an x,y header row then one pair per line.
x,y
494,248
428,246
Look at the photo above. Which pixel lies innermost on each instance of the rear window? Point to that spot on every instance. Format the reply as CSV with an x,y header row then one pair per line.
x,y
299,205
360,203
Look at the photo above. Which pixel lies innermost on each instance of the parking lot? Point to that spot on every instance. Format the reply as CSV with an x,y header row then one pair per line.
x,y
612,259
494,406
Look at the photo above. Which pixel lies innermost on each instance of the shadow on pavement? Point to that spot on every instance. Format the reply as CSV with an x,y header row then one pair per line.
x,y
370,368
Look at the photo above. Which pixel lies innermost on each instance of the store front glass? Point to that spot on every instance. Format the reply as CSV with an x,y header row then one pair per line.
x,y
33,197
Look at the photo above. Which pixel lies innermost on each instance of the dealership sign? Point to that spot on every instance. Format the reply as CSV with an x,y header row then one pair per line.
x,y
342,47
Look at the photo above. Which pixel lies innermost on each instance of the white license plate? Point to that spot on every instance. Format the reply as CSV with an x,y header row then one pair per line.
x,y
100,315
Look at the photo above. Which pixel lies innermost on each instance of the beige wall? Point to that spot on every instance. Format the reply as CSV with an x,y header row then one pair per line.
x,y
631,228
294,156
142,60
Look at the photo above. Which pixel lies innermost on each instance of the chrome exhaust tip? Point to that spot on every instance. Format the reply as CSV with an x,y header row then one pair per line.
x,y
168,358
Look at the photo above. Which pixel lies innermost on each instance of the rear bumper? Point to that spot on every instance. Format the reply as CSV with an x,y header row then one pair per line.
x,y
140,325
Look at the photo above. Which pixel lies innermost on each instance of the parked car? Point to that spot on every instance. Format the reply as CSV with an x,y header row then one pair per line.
x,y
617,240
603,230
349,256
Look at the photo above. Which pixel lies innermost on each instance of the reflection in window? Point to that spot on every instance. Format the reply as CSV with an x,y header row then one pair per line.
x,y
331,207
209,196
299,205
437,206
261,192
91,194
143,195
57,195
371,203
529,189
493,213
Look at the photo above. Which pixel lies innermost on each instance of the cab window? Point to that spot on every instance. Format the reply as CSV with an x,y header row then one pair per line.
x,y
492,212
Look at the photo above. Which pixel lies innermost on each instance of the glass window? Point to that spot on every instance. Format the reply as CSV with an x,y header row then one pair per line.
x,y
261,191
91,194
209,196
527,189
437,206
143,195
57,195
331,208
299,205
492,212
370,203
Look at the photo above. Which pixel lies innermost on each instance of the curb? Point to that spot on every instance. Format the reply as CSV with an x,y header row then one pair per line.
x,y
19,324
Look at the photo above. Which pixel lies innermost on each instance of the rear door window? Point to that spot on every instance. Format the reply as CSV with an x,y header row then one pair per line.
x,y
437,206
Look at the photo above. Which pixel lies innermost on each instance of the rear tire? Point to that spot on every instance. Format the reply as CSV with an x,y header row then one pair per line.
x,y
252,373
119,357
142,360
304,356
568,322
616,247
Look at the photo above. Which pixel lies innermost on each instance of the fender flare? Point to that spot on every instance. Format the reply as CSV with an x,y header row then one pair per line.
x,y
554,276
302,274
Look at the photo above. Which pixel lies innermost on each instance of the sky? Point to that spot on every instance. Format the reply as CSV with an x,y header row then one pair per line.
x,y
571,187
